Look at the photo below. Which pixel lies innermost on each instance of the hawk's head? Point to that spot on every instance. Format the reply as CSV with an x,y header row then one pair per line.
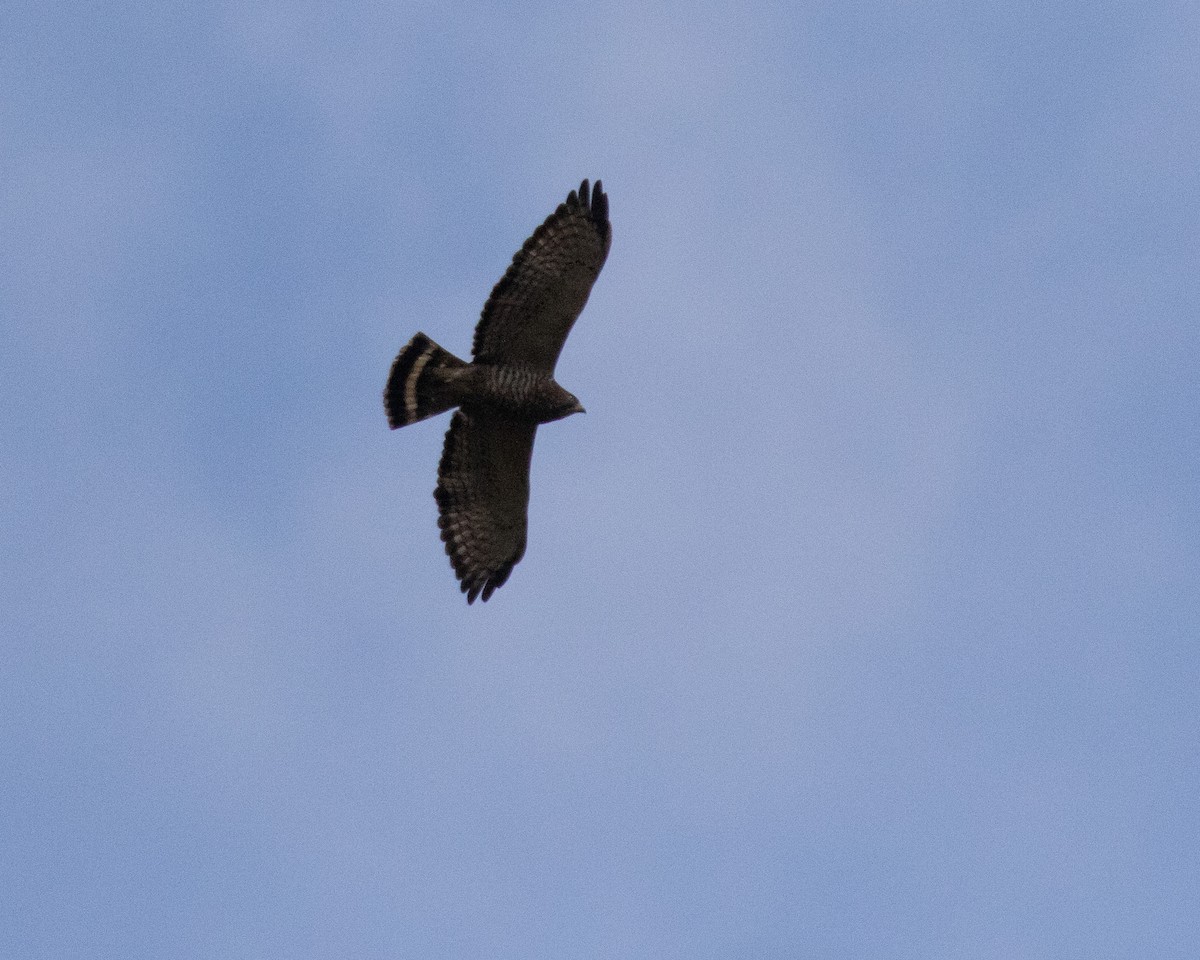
x,y
569,405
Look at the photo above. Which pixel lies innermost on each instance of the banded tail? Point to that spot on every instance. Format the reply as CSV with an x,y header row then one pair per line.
x,y
415,388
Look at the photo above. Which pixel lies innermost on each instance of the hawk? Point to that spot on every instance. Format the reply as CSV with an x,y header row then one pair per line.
x,y
506,390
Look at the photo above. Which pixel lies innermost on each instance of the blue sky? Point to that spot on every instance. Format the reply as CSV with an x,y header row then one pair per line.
x,y
860,613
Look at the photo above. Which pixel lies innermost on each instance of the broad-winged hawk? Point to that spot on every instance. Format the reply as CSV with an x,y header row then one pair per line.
x,y
505,392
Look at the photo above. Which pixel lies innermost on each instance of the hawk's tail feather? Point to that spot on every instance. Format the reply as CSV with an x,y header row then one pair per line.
x,y
412,391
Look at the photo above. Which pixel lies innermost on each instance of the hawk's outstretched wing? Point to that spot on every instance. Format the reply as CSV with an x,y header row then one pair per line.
x,y
531,310
483,496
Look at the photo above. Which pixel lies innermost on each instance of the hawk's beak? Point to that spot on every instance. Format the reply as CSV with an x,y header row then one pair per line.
x,y
578,408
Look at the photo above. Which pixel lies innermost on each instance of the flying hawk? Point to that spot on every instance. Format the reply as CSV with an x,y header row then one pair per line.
x,y
505,392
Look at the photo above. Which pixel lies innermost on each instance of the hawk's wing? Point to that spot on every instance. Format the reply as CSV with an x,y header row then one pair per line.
x,y
482,495
532,308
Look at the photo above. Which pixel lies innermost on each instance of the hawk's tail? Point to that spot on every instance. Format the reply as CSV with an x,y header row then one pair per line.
x,y
414,391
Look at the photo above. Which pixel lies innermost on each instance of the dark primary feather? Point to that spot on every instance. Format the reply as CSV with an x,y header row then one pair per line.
x,y
534,305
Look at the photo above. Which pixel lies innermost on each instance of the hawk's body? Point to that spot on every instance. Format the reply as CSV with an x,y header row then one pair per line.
x,y
505,392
